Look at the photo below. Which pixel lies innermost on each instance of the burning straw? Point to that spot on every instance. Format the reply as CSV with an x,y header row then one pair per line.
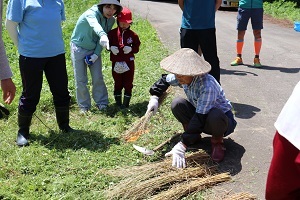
x,y
140,127
156,179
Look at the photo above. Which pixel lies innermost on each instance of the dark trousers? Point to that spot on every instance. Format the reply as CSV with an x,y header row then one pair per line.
x,y
206,39
124,80
217,123
32,70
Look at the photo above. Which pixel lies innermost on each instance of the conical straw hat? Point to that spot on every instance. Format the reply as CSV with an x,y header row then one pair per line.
x,y
187,62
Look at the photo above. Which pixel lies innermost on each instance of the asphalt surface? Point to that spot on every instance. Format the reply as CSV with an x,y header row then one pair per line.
x,y
257,94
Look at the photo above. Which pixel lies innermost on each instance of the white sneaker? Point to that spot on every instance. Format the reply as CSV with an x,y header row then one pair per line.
x,y
84,111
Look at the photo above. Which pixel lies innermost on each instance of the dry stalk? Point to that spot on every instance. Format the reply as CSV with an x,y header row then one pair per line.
x,y
191,186
140,127
131,188
241,196
193,159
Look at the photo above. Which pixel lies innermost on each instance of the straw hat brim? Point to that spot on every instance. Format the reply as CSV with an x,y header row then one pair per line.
x,y
187,62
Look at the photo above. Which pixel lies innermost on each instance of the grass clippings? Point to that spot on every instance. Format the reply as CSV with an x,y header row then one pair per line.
x,y
159,179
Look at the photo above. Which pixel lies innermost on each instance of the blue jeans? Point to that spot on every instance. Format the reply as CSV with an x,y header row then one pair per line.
x,y
99,90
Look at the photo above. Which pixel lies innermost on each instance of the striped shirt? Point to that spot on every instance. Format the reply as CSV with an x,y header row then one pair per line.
x,y
204,93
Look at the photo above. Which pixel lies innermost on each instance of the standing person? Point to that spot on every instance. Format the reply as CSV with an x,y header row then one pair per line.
x,y
249,9
35,29
7,85
88,39
205,110
283,180
124,43
198,30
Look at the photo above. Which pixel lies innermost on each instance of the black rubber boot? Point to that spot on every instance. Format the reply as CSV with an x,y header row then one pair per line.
x,y
24,121
62,118
118,100
126,101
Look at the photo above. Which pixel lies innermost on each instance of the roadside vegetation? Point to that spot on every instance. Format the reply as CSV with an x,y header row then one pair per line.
x,y
283,9
68,166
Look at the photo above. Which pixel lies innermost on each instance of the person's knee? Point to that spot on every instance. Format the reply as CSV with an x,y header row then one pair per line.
x,y
177,103
216,122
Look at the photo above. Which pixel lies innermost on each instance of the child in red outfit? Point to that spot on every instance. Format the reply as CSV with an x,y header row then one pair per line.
x,y
124,43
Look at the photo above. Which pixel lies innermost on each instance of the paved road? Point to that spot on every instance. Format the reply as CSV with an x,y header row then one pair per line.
x,y
256,94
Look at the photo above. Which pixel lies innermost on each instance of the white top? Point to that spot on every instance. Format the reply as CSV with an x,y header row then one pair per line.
x,y
288,121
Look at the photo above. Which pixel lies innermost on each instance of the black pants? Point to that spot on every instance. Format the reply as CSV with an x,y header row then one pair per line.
x,y
31,70
217,123
206,39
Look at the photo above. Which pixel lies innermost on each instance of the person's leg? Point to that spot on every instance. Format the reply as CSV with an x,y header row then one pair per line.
x,y
189,39
208,45
183,111
257,26
283,181
81,79
243,17
118,85
216,125
128,84
31,70
57,77
99,90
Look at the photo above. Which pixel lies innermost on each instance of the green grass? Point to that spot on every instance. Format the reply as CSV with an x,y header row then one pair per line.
x,y
67,166
282,9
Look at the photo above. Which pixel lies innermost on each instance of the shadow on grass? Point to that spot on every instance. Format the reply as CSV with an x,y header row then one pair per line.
x,y
135,109
90,140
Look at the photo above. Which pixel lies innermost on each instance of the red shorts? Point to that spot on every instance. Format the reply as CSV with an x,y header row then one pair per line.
x,y
284,174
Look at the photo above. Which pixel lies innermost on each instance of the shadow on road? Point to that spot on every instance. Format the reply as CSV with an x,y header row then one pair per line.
x,y
281,69
233,156
244,111
236,72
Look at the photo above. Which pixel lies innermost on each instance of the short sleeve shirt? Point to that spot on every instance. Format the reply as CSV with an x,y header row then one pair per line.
x,y
40,32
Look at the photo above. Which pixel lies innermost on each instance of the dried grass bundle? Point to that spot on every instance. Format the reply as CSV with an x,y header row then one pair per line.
x,y
241,196
192,159
147,180
133,188
186,188
140,127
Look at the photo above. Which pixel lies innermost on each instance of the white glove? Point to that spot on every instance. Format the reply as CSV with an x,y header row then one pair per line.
x,y
127,49
114,50
104,42
93,58
153,104
178,153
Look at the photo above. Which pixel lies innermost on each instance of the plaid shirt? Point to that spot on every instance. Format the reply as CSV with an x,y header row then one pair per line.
x,y
204,93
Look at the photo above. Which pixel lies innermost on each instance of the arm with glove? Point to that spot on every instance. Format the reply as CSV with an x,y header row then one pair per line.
x,y
157,90
196,126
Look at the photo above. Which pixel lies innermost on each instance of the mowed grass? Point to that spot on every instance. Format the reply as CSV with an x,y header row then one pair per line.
x,y
70,165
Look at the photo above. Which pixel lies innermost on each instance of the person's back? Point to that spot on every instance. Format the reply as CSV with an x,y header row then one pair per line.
x,y
250,3
198,14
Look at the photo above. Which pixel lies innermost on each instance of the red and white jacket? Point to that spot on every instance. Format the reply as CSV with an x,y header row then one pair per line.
x,y
120,38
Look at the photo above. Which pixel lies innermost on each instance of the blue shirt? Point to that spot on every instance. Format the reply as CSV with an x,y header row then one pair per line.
x,y
40,32
198,14
204,93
